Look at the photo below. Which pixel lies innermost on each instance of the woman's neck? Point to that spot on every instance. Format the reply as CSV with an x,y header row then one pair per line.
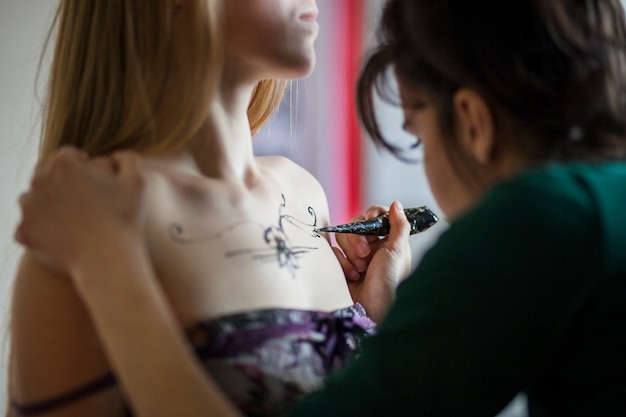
x,y
223,145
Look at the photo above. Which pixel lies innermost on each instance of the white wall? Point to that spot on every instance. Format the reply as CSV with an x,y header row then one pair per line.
x,y
23,27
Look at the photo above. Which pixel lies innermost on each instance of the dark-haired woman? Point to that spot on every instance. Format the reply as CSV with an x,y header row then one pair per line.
x,y
520,107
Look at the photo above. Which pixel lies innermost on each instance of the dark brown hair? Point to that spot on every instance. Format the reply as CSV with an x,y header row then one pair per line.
x,y
554,70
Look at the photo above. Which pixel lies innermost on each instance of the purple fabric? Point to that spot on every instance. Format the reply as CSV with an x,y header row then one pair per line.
x,y
266,359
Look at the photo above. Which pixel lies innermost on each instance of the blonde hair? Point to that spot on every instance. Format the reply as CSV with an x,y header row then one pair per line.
x,y
112,70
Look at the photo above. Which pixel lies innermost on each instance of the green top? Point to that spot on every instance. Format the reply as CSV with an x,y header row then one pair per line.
x,y
525,293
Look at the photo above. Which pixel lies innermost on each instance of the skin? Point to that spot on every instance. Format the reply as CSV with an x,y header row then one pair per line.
x,y
385,260
193,393
198,394
74,290
119,277
477,143
273,49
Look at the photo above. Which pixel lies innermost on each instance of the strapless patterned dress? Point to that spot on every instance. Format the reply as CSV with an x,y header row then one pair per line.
x,y
264,360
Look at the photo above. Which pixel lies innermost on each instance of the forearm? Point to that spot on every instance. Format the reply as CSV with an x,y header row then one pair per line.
x,y
142,338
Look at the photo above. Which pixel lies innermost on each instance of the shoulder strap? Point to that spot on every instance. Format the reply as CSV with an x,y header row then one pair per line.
x,y
64,399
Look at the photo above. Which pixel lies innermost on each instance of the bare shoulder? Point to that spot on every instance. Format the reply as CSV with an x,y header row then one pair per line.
x,y
282,164
293,176
165,173
54,347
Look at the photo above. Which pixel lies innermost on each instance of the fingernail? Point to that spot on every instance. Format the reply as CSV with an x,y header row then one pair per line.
x,y
354,275
360,265
362,249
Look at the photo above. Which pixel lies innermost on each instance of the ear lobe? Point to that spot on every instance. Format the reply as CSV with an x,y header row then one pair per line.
x,y
475,125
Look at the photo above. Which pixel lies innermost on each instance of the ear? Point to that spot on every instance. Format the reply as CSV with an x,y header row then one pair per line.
x,y
475,125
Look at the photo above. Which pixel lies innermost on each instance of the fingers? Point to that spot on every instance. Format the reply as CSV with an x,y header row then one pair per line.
x,y
104,164
348,269
72,152
400,227
66,153
125,163
65,156
358,247
59,163
375,211
398,240
128,166
69,194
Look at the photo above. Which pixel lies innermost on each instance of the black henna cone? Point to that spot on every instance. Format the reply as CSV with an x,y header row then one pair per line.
x,y
420,219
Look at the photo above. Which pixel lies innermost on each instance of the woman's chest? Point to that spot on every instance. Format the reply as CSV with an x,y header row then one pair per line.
x,y
221,258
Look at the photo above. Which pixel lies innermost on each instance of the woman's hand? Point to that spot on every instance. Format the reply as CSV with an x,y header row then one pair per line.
x,y
75,206
373,266
84,218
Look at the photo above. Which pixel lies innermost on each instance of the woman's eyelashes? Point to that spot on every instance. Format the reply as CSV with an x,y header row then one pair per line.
x,y
410,129
410,125
406,126
417,143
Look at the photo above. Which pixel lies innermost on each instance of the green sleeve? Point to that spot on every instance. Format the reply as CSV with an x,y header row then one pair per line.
x,y
483,311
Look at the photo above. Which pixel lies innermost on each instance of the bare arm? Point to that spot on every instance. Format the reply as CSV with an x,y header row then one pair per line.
x,y
142,338
54,347
111,272
116,281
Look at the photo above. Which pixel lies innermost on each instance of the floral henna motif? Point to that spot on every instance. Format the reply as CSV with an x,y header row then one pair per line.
x,y
278,247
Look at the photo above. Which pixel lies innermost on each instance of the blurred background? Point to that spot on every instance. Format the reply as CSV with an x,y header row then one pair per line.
x,y
315,126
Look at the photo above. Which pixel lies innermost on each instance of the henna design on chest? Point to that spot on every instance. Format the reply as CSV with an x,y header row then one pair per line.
x,y
278,246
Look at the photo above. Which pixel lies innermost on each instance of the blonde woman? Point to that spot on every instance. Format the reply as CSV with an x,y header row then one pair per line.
x,y
520,108
231,238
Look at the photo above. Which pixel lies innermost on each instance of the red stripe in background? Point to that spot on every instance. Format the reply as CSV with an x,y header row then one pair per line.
x,y
353,35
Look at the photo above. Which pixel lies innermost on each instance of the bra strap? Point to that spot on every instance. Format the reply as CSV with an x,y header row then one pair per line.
x,y
64,399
